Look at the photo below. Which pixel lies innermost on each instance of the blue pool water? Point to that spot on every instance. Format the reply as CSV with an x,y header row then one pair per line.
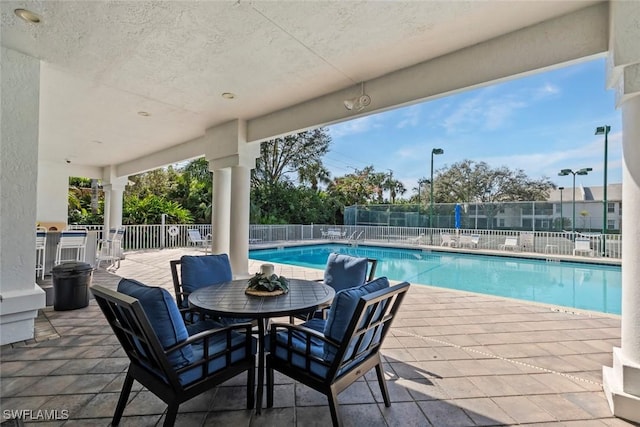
x,y
570,284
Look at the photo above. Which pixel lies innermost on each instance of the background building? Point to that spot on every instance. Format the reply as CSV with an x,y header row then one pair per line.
x,y
554,214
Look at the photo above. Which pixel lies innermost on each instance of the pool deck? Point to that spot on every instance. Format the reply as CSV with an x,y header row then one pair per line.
x,y
452,359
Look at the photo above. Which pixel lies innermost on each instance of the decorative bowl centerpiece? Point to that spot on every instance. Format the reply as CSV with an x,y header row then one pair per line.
x,y
266,283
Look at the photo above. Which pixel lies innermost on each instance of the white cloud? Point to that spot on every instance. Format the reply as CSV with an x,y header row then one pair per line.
x,y
490,110
549,163
411,117
360,125
546,90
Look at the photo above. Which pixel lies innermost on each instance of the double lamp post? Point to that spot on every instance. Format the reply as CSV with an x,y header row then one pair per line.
x,y
600,130
565,172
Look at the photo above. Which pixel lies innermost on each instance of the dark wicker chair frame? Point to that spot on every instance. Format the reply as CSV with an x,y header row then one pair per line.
x,y
148,360
372,317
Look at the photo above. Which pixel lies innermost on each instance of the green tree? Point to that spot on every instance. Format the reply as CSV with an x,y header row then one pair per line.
x,y
355,188
282,157
470,181
314,174
396,187
83,202
149,210
284,203
158,182
192,188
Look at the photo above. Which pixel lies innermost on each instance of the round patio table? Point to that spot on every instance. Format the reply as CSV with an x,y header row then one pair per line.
x,y
229,300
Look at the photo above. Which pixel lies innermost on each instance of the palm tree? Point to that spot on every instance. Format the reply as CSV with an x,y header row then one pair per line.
x,y
396,187
314,174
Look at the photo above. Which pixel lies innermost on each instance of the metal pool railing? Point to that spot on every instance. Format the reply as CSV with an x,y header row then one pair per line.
x,y
139,237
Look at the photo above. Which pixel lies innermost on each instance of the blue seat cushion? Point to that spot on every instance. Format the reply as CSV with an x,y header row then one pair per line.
x,y
217,344
164,317
343,309
200,271
344,271
299,343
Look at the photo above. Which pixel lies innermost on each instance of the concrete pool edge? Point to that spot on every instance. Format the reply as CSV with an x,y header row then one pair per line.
x,y
444,249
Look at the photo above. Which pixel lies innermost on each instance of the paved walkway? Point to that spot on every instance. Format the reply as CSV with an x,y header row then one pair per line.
x,y
452,359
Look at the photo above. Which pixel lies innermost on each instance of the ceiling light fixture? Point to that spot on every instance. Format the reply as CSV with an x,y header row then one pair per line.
x,y
228,95
143,113
359,102
27,16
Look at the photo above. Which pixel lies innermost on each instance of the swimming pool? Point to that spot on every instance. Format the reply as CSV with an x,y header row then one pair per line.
x,y
569,284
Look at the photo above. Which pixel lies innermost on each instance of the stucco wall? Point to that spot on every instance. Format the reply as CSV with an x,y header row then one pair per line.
x,y
21,297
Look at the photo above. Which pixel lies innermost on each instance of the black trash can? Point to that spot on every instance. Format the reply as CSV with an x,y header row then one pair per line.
x,y
71,282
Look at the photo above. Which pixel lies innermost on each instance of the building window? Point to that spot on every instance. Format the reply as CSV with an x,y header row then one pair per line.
x,y
611,224
501,222
620,209
611,207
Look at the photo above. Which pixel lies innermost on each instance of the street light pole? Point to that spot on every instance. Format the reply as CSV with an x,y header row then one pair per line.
x,y
565,172
435,151
599,131
561,215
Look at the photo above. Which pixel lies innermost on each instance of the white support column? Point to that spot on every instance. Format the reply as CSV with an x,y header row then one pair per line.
x,y
113,201
231,159
221,217
106,208
116,201
21,296
622,381
239,250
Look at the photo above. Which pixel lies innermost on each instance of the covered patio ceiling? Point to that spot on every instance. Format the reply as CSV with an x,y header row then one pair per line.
x,y
121,81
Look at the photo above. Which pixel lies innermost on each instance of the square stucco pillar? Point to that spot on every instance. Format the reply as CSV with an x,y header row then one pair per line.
x,y
21,297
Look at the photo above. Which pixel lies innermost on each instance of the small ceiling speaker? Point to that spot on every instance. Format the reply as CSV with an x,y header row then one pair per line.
x,y
358,103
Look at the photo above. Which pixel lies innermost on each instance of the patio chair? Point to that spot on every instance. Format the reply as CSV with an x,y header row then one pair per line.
x,y
448,240
342,272
330,355
197,272
419,240
173,361
196,239
71,240
510,242
109,250
41,251
582,245
527,241
470,241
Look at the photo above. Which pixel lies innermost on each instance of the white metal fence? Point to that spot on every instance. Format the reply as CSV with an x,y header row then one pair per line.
x,y
140,237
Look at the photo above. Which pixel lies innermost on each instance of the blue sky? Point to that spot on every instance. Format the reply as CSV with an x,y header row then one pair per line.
x,y
540,123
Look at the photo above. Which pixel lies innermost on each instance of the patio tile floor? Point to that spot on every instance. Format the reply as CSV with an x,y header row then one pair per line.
x,y
452,359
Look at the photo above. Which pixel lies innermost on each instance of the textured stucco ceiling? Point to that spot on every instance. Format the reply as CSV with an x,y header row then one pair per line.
x,y
102,62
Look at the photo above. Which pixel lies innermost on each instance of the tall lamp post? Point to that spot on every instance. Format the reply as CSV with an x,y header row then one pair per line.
x,y
435,151
565,172
561,215
604,130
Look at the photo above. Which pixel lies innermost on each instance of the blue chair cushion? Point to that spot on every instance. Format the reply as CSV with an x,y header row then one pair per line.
x,y
164,317
342,310
200,271
344,271
298,342
217,344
